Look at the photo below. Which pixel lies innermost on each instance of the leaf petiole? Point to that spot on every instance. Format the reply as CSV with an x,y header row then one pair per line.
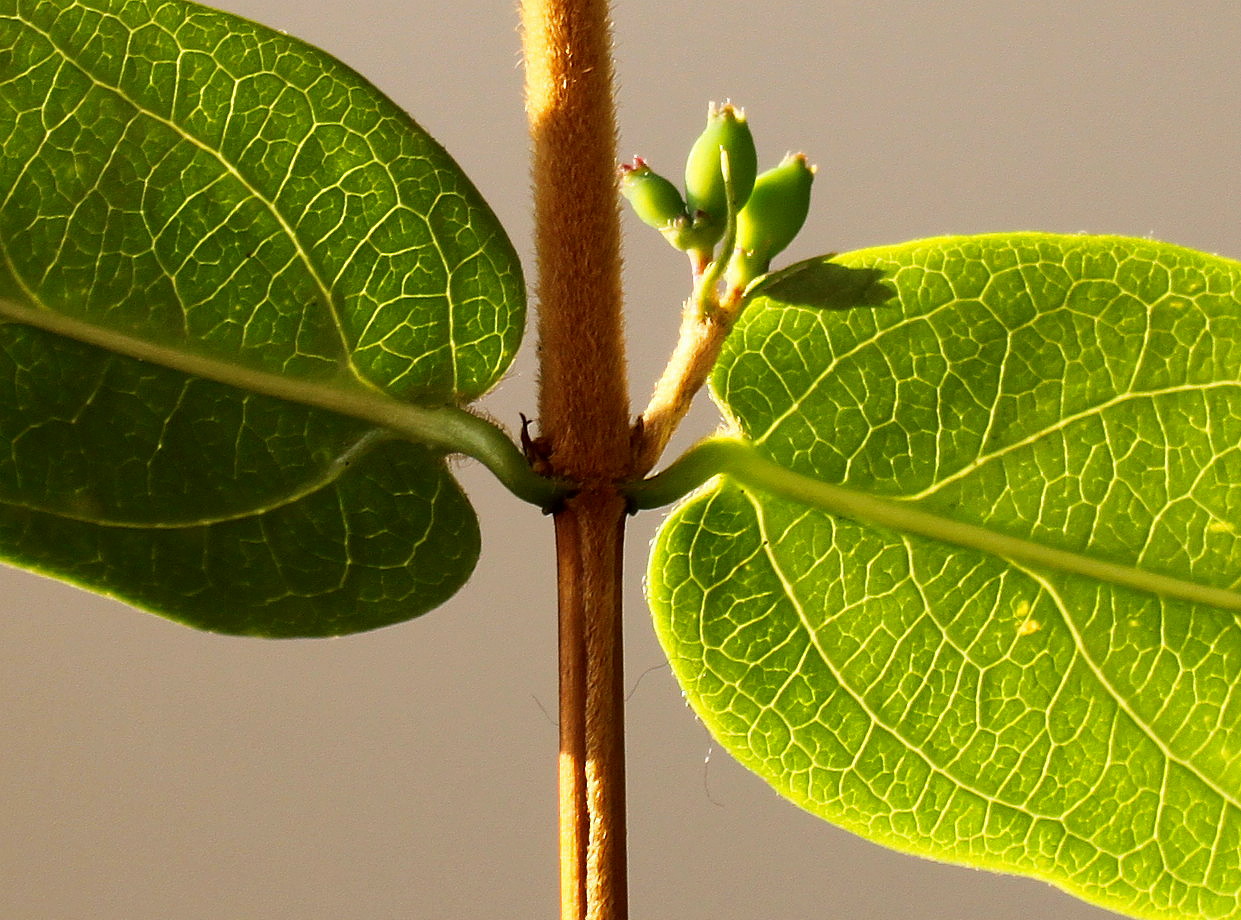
x,y
466,433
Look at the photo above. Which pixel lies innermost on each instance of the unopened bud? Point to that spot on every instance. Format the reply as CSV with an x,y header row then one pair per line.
x,y
655,200
774,214
705,192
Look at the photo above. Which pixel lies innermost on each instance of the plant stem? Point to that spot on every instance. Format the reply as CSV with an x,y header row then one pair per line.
x,y
705,324
589,540
583,427
583,394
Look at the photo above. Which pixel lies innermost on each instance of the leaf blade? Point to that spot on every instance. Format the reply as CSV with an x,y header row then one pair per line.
x,y
343,199
207,497
229,265
1005,382
939,699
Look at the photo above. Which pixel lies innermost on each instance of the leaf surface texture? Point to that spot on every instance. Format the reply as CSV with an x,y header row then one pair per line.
x,y
190,202
1076,392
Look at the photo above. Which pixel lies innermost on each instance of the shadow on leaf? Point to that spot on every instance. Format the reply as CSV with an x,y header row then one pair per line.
x,y
822,284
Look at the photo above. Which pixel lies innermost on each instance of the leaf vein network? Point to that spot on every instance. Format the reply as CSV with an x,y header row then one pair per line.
x,y
304,256
789,591
1100,675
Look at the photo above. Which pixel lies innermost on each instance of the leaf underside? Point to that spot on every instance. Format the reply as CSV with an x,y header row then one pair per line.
x,y
232,199
1078,392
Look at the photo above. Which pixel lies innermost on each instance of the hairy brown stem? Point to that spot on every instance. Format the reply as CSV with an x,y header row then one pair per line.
x,y
589,540
583,427
583,395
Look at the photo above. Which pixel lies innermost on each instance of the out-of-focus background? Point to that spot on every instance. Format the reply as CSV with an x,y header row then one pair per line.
x,y
150,772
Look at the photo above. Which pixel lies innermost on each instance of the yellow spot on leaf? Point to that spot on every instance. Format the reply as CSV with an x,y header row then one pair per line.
x,y
1029,626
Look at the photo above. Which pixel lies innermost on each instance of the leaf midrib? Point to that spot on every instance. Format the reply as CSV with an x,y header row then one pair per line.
x,y
743,462
430,425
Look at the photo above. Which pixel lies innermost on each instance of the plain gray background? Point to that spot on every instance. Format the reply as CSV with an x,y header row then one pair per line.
x,y
150,772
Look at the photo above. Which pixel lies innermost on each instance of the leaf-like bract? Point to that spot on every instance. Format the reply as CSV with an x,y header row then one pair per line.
x,y
1077,393
211,235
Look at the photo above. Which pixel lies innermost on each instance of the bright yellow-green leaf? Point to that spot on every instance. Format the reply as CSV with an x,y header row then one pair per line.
x,y
1078,396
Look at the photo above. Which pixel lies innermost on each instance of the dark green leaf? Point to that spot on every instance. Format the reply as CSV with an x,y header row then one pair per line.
x,y
211,233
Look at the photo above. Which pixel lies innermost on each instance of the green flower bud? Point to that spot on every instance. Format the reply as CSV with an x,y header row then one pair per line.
x,y
705,194
655,200
774,214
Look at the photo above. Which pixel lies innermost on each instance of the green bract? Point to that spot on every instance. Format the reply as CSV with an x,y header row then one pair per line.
x,y
230,261
1079,394
705,194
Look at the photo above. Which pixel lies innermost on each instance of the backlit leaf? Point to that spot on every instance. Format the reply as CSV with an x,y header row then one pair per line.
x,y
1077,393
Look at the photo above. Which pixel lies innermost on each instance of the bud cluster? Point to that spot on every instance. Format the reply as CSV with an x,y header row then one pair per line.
x,y
723,187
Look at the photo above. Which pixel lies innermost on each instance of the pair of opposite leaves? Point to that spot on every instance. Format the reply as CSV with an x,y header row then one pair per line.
x,y
228,259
